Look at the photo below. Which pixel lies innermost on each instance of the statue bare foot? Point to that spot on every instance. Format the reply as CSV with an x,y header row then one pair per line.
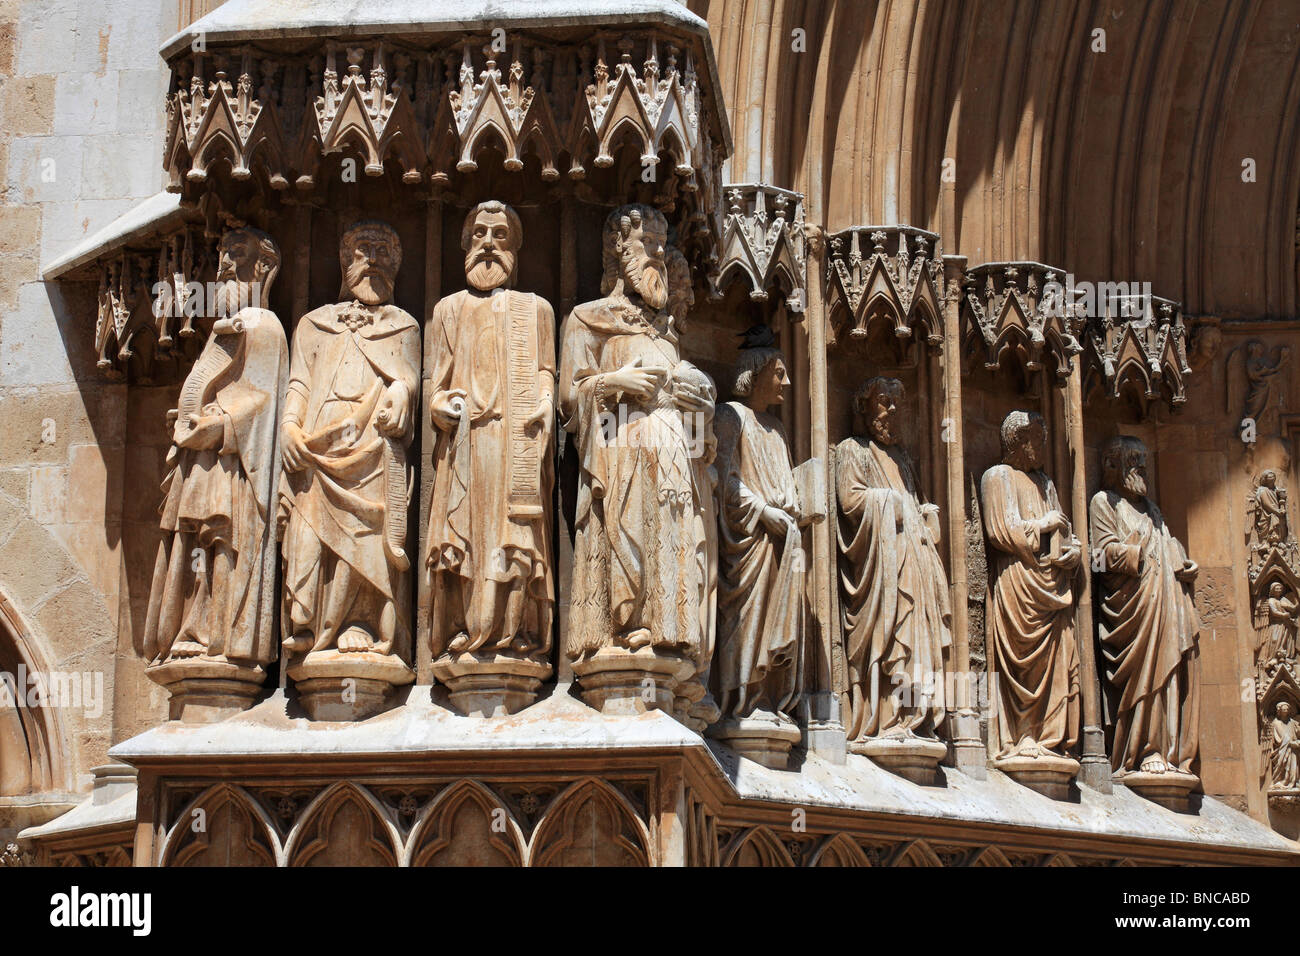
x,y
187,649
354,639
1154,763
298,644
636,639
459,644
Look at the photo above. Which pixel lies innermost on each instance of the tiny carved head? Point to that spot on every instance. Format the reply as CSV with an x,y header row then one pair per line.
x,y
1276,590
1283,710
247,263
681,294
1024,440
1124,466
878,402
1268,478
370,254
491,238
634,244
761,377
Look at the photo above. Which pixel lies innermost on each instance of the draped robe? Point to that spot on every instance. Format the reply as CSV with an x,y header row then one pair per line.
x,y
1148,627
897,616
337,570
643,520
214,578
491,570
1283,763
1029,616
761,605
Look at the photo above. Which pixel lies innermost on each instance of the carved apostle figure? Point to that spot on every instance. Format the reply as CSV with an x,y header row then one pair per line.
x,y
1148,623
1283,613
894,592
1286,742
1029,619
347,423
639,416
491,399
213,595
1270,510
762,607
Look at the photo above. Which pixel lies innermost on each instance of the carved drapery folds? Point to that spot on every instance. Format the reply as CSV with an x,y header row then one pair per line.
x,y
891,274
763,243
1019,308
1139,346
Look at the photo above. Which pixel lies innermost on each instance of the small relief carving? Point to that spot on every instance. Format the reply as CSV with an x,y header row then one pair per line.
x,y
1257,380
894,592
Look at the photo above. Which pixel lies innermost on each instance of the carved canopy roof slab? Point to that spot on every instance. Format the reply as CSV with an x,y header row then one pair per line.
x,y
1139,343
142,225
763,243
891,274
1019,308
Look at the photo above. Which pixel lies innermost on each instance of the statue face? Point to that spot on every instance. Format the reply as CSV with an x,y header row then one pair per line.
x,y
490,258
237,259
1033,445
769,384
1268,479
642,254
1284,710
1135,478
1276,590
370,268
882,415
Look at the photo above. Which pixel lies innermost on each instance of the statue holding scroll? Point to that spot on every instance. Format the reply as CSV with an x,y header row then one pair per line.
x,y
209,628
640,417
1147,627
348,419
1034,559
894,592
762,603
491,399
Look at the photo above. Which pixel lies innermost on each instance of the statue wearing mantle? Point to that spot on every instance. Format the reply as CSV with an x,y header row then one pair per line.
x,y
1148,628
492,393
209,628
348,420
640,418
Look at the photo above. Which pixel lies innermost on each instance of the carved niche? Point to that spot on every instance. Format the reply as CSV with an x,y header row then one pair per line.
x,y
899,281
1017,308
1142,350
763,243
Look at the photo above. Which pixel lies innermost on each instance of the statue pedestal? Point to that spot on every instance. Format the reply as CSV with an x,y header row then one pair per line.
x,y
204,689
912,758
615,680
760,737
490,685
338,686
693,705
1049,774
1171,789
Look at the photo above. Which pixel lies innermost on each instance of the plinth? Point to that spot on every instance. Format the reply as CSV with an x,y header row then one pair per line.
x,y
762,737
1171,789
346,686
912,758
490,685
207,689
1048,774
616,680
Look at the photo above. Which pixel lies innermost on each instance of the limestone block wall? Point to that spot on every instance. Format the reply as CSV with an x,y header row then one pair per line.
x,y
81,126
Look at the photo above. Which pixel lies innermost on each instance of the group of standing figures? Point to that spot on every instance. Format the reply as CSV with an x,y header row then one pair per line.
x,y
688,588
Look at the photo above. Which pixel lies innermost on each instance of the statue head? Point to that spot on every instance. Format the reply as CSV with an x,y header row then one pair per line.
x,y
248,261
370,254
1276,589
1283,710
1268,478
491,238
760,369
1024,440
632,253
1124,466
877,403
681,294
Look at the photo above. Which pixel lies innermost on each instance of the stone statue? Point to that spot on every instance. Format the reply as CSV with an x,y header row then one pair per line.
x,y
209,630
1286,742
762,606
1147,627
1029,616
348,419
1283,614
1263,379
491,399
1270,510
640,419
894,592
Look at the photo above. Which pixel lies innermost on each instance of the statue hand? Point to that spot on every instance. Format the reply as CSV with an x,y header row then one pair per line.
x,y
293,447
776,521
394,412
442,409
1054,520
635,380
1069,559
542,416
200,432
690,398
1187,574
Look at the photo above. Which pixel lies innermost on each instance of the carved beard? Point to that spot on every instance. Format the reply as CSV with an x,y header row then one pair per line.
x,y
648,278
882,429
1135,485
231,296
488,271
370,286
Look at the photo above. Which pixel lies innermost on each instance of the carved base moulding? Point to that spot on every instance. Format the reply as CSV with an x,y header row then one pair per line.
x,y
1172,789
619,681
490,685
912,758
204,690
339,686
1049,774
764,739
